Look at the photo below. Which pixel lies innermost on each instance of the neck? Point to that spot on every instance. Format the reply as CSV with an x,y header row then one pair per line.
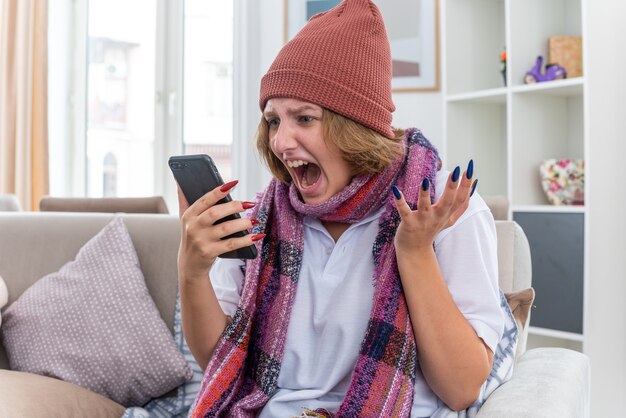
x,y
335,229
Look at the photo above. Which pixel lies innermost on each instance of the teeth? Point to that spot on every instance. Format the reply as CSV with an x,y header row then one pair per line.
x,y
296,163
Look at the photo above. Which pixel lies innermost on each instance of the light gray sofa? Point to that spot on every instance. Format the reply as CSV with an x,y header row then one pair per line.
x,y
547,382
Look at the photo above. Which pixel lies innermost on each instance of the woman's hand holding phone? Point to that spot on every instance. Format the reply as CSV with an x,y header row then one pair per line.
x,y
211,228
202,240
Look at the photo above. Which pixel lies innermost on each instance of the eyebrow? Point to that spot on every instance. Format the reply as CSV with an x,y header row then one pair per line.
x,y
294,111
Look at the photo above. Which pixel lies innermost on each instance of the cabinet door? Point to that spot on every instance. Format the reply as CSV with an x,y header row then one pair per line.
x,y
557,250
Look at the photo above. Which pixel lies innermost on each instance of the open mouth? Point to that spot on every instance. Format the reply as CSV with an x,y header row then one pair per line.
x,y
306,173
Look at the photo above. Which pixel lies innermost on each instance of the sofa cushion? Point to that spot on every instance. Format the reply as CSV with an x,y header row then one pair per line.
x,y
54,398
93,323
520,302
178,405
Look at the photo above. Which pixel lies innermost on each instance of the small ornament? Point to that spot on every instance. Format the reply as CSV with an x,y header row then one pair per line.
x,y
503,65
552,72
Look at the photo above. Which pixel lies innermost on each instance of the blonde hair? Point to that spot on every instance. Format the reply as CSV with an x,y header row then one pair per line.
x,y
366,151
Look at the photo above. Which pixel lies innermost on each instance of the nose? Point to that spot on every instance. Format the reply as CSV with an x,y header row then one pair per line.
x,y
284,139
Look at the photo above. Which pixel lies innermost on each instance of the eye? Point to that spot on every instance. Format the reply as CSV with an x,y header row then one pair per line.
x,y
306,119
272,123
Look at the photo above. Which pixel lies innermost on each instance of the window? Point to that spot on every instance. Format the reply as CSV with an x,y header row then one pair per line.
x,y
208,80
120,95
109,176
132,82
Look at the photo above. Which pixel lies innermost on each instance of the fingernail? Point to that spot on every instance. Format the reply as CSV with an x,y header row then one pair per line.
x,y
257,237
474,187
396,192
254,222
228,186
425,183
470,169
248,205
456,173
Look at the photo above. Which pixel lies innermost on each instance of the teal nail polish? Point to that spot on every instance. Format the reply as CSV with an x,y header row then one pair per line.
x,y
456,173
425,183
470,169
396,192
474,187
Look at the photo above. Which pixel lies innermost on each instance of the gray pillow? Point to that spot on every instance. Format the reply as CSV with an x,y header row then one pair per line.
x,y
93,323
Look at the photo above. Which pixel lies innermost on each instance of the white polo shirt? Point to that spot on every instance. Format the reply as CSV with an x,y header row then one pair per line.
x,y
334,300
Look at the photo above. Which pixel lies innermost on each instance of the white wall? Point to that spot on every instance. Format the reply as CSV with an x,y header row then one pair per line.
x,y
605,323
423,111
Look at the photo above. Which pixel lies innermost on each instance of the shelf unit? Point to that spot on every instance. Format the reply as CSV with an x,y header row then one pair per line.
x,y
508,129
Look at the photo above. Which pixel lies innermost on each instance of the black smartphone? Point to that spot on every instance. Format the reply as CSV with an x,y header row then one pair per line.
x,y
196,175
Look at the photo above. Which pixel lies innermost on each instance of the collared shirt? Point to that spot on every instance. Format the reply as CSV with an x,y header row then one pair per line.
x,y
335,296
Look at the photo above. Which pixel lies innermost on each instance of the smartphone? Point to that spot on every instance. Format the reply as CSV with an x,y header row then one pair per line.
x,y
196,175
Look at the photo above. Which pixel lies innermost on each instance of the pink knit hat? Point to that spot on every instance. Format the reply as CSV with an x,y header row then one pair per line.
x,y
341,61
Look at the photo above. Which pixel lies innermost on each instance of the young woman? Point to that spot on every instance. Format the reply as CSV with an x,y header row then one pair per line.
x,y
375,291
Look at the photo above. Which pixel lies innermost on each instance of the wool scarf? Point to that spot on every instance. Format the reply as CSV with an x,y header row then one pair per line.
x,y
243,372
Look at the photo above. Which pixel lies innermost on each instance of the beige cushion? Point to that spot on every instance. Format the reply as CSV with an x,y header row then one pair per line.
x,y
33,244
94,323
499,206
26,395
514,263
520,302
515,274
152,204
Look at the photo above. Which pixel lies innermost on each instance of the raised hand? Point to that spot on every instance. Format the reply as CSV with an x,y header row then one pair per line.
x,y
418,228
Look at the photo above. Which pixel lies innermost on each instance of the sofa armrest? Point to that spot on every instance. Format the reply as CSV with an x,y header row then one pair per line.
x,y
546,382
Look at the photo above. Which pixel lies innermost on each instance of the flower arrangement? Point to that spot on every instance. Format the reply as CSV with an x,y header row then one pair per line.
x,y
563,181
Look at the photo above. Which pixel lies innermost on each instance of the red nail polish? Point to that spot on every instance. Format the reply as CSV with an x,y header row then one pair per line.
x,y
257,237
248,205
228,186
254,221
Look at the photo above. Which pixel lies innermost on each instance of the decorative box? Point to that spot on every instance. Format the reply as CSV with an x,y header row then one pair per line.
x,y
567,51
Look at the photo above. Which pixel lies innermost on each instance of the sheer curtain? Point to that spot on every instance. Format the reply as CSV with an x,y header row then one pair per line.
x,y
23,98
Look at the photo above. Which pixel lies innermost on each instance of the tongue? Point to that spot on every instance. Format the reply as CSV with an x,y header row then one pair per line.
x,y
312,173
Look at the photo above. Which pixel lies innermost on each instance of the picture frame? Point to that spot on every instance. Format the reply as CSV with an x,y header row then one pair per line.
x,y
413,31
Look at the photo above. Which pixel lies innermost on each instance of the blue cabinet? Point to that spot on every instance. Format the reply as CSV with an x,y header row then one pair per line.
x,y
557,250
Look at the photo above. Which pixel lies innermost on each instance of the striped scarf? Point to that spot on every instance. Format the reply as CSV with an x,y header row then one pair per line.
x,y
243,372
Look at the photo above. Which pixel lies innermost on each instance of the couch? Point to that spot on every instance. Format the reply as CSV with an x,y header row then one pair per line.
x,y
150,204
546,382
499,206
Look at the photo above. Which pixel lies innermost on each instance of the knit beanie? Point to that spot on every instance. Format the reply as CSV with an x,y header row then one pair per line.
x,y
341,61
